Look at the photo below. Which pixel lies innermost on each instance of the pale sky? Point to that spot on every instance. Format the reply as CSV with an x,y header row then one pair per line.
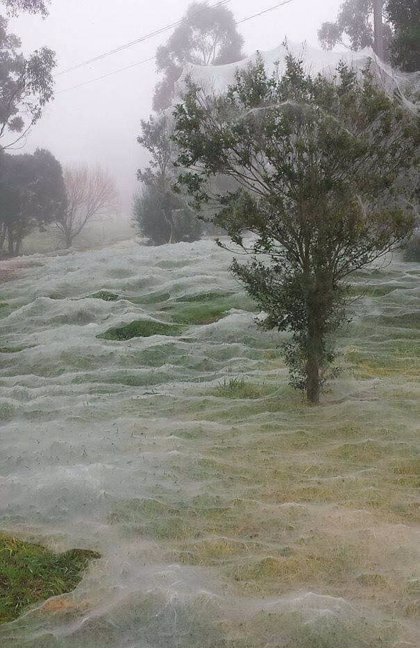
x,y
99,123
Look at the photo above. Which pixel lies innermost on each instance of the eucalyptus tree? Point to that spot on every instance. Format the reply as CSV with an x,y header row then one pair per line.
x,y
206,35
26,83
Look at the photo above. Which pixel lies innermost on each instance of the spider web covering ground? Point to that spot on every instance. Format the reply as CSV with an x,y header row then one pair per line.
x,y
228,514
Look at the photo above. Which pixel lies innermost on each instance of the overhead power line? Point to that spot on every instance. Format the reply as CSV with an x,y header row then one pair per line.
x,y
152,58
137,41
104,76
264,11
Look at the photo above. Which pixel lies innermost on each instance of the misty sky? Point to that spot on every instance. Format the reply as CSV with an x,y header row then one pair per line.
x,y
98,123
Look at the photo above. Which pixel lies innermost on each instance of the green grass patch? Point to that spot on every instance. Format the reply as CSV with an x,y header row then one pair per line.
x,y
30,573
198,314
150,298
140,328
203,297
239,388
105,295
16,349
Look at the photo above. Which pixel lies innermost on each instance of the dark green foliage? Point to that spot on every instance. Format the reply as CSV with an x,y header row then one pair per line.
x,y
141,328
162,217
205,36
30,573
32,194
404,16
316,164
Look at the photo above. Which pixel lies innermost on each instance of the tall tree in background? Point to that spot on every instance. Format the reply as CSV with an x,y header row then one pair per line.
x,y
390,27
404,16
359,24
316,163
90,194
159,213
206,36
26,84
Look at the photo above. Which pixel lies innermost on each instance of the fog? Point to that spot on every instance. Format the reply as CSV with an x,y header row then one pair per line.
x,y
230,431
99,122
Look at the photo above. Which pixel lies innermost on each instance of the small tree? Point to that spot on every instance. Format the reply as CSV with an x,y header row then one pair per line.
x,y
90,193
316,163
162,217
205,36
32,195
160,214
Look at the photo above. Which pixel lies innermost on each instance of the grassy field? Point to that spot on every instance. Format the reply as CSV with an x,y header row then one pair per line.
x,y
229,513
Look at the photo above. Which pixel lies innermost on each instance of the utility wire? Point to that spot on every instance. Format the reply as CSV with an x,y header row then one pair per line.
x,y
104,76
152,58
142,39
264,11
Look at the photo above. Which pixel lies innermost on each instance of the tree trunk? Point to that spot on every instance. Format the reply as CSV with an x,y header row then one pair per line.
x,y
68,240
18,246
378,6
313,379
10,243
3,233
315,347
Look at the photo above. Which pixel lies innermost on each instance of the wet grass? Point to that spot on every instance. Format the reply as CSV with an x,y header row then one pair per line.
x,y
140,328
204,297
5,309
150,298
301,629
271,496
105,295
16,349
30,573
371,290
240,388
198,313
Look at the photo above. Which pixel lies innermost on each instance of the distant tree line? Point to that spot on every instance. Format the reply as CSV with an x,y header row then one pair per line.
x,y
36,193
